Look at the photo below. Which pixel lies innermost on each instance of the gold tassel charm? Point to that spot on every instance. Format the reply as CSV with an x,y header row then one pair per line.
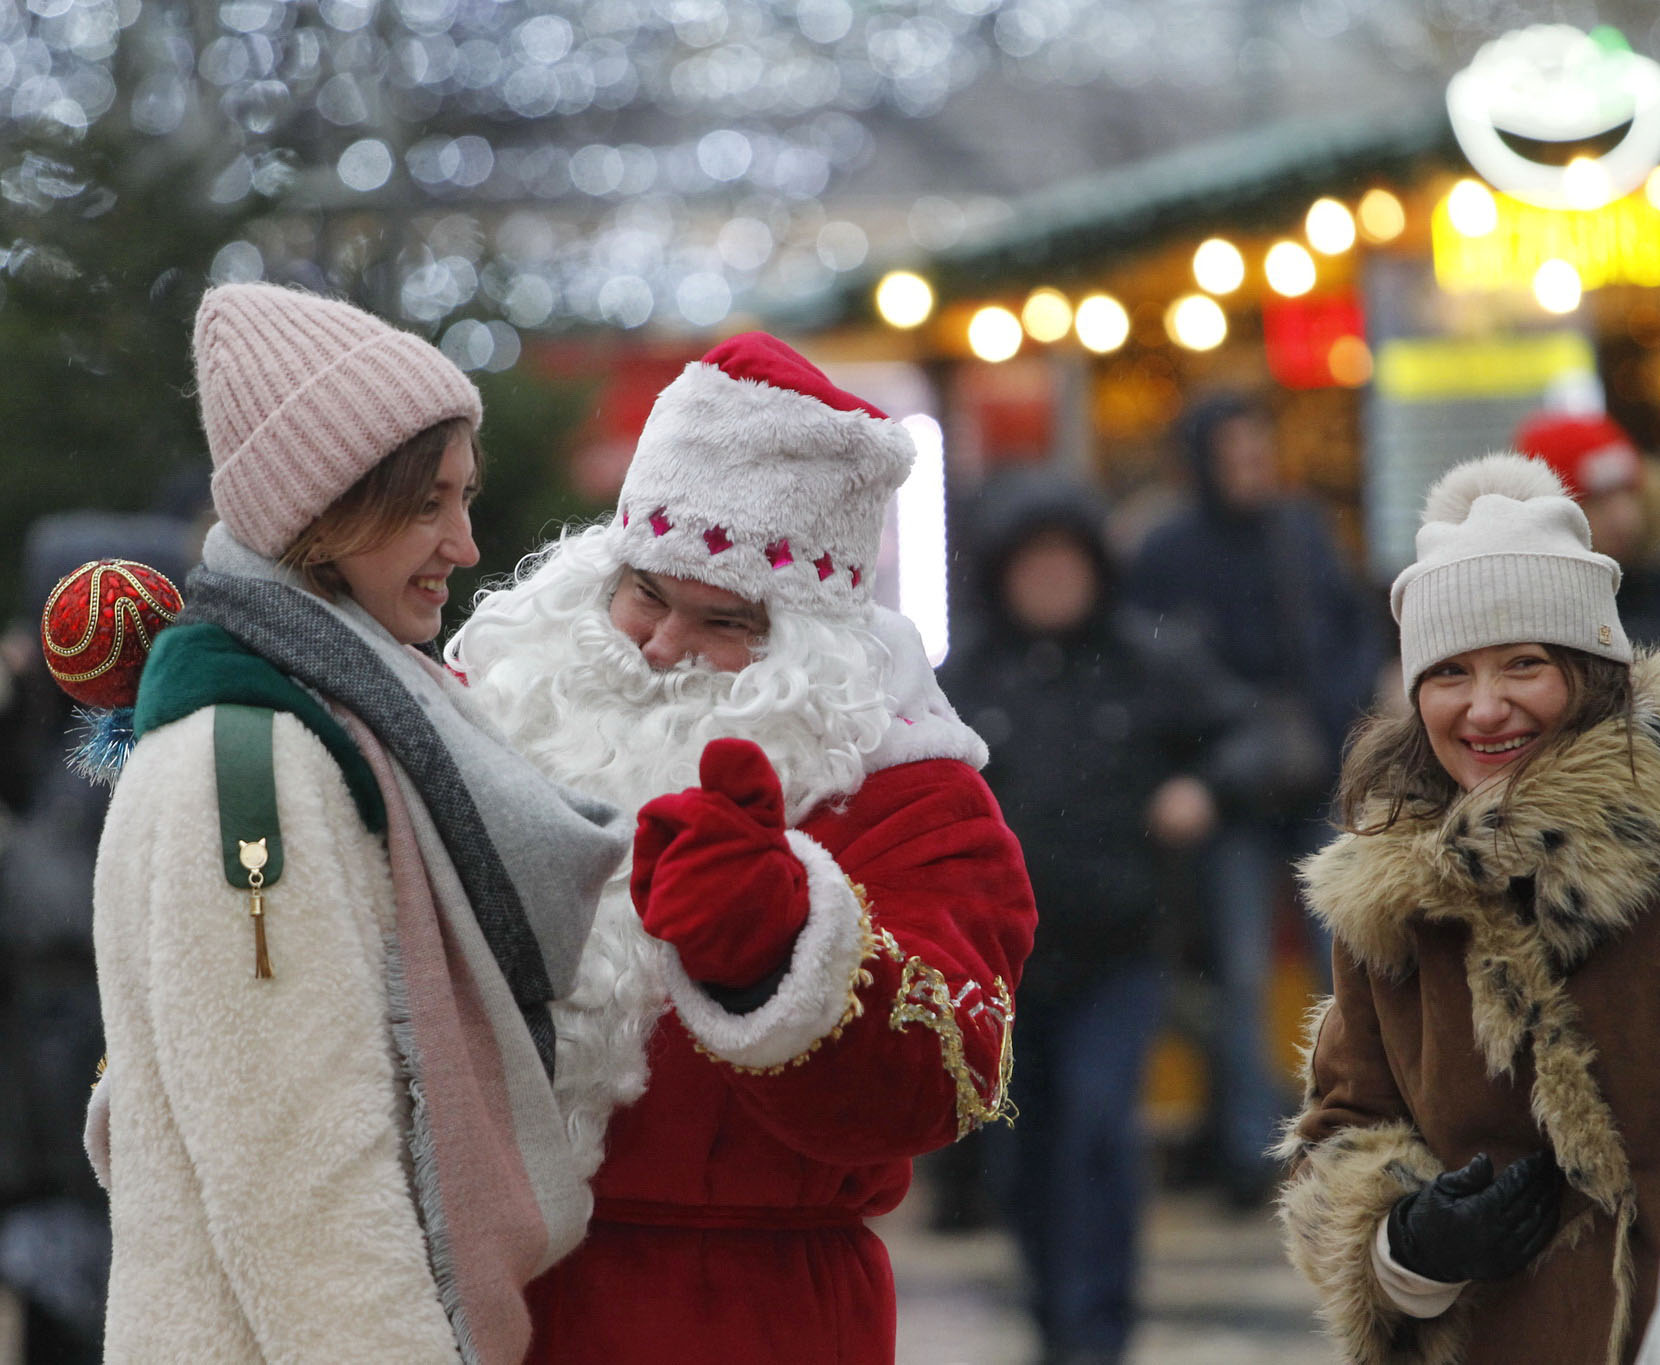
x,y
256,908
252,857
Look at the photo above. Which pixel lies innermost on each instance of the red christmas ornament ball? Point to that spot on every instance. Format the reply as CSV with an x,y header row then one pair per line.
x,y
98,625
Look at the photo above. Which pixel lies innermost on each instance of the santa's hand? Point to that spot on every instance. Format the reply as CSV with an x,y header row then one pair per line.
x,y
713,874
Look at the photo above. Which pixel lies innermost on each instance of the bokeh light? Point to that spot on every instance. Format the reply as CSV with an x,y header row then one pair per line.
x,y
994,334
1330,227
1218,266
1290,269
1557,286
1102,323
904,299
1197,322
1382,216
1046,315
1471,209
365,165
1585,184
1350,361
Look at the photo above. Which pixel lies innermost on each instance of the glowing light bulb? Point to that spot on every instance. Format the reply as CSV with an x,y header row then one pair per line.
x,y
1471,209
904,299
1585,184
1102,323
1218,267
1382,218
994,334
1047,315
1330,227
1557,286
1290,269
1197,322
1350,361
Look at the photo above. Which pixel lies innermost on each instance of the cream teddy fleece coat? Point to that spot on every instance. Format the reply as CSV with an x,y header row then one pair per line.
x,y
258,1188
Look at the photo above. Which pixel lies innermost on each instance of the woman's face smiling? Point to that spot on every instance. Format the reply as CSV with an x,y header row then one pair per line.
x,y
1485,708
403,583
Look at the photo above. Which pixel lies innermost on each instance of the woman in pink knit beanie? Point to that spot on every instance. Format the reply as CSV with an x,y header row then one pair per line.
x,y
331,907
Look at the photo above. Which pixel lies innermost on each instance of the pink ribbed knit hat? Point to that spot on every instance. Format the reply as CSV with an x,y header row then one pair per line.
x,y
755,473
301,396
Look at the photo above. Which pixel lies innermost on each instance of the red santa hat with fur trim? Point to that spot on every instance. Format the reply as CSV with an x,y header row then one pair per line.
x,y
758,475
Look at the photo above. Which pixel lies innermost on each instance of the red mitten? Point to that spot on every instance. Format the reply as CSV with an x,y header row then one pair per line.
x,y
713,873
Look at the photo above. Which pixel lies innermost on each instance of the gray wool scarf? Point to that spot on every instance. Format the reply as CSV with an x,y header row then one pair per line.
x,y
532,856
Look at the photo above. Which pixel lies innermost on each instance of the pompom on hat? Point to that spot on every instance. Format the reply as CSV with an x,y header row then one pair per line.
x,y
1504,556
758,475
1589,452
301,396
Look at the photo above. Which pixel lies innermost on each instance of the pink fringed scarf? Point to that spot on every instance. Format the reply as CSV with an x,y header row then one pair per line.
x,y
493,1180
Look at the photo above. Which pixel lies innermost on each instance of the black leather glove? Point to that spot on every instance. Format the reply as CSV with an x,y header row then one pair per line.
x,y
1465,1225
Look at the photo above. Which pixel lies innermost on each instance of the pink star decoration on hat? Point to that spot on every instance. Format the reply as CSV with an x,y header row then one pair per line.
x,y
660,523
778,554
717,539
825,566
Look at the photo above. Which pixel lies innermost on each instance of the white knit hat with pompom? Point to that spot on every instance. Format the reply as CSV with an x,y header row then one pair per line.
x,y
1504,556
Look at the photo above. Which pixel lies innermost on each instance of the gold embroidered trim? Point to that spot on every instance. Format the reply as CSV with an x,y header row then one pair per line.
x,y
925,998
854,1009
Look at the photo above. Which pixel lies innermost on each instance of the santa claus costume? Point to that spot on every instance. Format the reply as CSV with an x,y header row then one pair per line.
x,y
840,913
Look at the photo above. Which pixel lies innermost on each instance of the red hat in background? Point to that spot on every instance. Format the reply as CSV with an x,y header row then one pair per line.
x,y
1590,453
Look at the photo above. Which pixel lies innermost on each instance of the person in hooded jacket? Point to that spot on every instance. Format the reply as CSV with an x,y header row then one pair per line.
x,y
1112,741
1255,571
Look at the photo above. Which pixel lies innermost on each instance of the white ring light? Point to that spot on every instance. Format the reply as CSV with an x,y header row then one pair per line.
x,y
1553,83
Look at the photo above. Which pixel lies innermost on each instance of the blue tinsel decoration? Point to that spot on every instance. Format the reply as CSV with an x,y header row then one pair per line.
x,y
103,739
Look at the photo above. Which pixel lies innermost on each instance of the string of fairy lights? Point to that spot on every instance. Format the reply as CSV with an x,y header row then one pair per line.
x,y
1196,320
1482,240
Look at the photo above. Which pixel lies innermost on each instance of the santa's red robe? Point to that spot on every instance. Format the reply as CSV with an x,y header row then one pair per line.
x,y
729,1214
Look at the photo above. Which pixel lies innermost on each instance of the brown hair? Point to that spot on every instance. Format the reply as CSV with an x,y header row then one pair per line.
x,y
376,507
1390,756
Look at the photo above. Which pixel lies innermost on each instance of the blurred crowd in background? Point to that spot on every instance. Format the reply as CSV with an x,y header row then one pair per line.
x,y
1168,552
1165,697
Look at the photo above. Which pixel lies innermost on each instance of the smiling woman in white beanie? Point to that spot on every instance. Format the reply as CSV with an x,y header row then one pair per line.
x,y
1475,1173
327,1125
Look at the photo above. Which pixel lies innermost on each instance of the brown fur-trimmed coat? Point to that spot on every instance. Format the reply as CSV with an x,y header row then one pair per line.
x,y
1497,989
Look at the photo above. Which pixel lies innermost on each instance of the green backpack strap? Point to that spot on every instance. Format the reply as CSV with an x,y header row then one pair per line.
x,y
249,836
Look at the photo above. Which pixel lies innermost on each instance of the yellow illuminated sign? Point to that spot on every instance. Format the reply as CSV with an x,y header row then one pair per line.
x,y
1423,369
1616,244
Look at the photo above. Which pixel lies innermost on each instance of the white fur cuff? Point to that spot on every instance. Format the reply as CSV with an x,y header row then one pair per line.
x,y
1329,1211
817,991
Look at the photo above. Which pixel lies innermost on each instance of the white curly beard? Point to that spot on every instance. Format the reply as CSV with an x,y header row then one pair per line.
x,y
576,696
